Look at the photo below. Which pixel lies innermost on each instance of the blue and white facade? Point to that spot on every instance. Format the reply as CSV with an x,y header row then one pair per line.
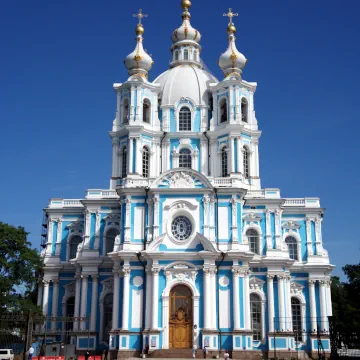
x,y
185,209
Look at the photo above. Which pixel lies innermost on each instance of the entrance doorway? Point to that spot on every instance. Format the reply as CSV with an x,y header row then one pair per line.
x,y
181,318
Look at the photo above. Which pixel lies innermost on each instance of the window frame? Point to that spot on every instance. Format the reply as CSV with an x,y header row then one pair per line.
x,y
146,116
259,304
246,162
294,243
185,124
125,111
70,245
257,244
223,105
145,162
124,162
244,116
188,156
106,238
224,162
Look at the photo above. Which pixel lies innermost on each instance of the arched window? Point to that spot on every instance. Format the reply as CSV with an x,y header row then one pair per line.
x,y
124,162
70,309
195,55
185,158
255,311
74,243
223,111
186,54
246,162
107,319
296,318
125,111
244,110
224,162
146,111
145,162
292,246
176,55
253,238
110,239
184,119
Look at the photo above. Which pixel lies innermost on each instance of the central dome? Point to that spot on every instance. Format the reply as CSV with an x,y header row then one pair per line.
x,y
185,81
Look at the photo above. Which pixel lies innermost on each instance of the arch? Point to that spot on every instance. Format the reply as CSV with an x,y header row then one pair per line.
x,y
185,158
292,245
74,242
223,110
244,110
253,240
224,161
107,315
176,55
125,111
186,54
246,162
145,162
184,119
106,294
146,111
124,162
109,237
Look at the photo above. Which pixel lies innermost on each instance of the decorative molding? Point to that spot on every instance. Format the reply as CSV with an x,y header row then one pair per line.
x,y
291,225
253,217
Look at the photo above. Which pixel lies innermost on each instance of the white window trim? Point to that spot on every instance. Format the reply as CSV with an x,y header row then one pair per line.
x,y
194,152
107,288
219,123
151,111
219,162
262,296
178,106
301,298
246,240
297,237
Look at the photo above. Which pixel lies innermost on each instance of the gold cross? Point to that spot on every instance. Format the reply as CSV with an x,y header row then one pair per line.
x,y
230,15
140,15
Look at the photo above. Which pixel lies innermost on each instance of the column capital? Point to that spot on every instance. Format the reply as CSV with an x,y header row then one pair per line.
x,y
155,271
126,271
116,272
84,276
46,282
270,277
311,282
94,276
55,282
209,270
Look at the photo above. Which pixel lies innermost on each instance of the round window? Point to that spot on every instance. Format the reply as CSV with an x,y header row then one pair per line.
x,y
181,228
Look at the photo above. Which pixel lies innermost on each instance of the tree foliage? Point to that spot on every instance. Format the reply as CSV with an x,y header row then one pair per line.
x,y
346,300
19,264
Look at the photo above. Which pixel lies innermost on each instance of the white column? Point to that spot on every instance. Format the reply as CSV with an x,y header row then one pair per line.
x,y
270,294
328,298
156,200
115,157
58,238
312,305
268,230
204,157
132,105
231,104
318,239
127,232
288,323
167,155
323,323
138,157
247,321
148,299
206,201
115,317
84,289
214,295
213,169
281,302
278,229
207,298
46,298
94,297
149,228
232,155
40,293
256,158
234,228
308,237
239,155
212,219
55,302
236,298
155,298
77,300
126,298
130,155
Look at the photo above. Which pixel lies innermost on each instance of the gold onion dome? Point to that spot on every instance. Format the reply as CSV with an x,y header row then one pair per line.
x,y
139,62
186,31
232,60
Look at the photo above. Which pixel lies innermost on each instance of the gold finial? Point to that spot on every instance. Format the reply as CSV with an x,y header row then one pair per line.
x,y
139,28
186,4
231,29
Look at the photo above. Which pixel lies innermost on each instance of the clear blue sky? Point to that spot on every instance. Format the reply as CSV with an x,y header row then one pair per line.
x,y
59,60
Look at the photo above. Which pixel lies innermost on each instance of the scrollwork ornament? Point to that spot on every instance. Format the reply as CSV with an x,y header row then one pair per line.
x,y
126,271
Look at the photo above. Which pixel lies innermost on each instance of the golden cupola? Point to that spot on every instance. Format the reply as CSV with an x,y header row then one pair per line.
x,y
139,62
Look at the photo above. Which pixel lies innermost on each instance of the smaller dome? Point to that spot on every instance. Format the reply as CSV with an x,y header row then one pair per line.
x,y
232,60
139,62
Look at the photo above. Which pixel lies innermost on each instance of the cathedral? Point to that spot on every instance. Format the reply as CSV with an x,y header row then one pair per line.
x,y
185,249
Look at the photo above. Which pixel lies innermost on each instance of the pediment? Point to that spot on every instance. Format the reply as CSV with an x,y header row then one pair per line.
x,y
206,244
256,284
253,217
181,179
291,225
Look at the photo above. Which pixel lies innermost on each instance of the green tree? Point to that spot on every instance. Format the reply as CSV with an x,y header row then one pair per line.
x,y
19,264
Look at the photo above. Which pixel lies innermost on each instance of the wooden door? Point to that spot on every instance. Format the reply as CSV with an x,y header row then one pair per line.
x,y
181,318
